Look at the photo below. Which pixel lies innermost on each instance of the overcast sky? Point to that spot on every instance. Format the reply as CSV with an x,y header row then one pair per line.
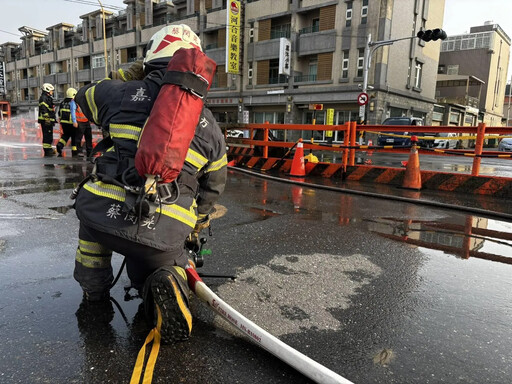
x,y
459,15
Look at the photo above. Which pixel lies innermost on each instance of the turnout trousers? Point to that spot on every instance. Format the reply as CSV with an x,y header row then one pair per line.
x,y
68,132
84,131
47,130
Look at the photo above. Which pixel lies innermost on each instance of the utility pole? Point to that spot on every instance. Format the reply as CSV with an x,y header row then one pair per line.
x,y
509,97
104,38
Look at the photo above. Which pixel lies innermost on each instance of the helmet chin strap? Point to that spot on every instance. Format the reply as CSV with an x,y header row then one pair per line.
x,y
157,64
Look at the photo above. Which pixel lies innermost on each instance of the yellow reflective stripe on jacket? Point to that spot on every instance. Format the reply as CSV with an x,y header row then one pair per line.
x,y
124,131
216,165
186,216
93,261
106,190
44,104
196,159
89,96
92,247
176,212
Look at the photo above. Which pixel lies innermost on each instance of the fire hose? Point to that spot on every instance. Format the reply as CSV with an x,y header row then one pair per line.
x,y
302,363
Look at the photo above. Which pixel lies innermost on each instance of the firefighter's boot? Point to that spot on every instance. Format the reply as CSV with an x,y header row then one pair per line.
x,y
166,294
49,152
59,147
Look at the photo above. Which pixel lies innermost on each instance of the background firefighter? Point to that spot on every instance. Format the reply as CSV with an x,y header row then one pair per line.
x,y
68,123
111,217
46,117
84,131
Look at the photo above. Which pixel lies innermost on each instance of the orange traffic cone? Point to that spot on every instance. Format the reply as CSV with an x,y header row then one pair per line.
x,y
298,167
412,176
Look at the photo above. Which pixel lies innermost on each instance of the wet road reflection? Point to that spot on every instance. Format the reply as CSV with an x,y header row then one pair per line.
x,y
464,241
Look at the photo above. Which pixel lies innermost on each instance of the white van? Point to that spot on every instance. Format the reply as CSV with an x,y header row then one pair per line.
x,y
441,142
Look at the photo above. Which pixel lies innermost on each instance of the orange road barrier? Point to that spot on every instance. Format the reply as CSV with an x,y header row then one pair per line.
x,y
412,177
479,144
298,167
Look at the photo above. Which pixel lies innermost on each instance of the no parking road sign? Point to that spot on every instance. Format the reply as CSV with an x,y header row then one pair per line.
x,y
362,99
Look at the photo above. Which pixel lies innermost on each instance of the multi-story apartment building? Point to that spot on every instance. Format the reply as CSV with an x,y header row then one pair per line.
x,y
473,76
327,40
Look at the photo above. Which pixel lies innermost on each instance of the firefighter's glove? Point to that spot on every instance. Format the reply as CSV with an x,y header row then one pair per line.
x,y
133,72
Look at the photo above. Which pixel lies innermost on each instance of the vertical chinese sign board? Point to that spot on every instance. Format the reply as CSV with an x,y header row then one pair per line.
x,y
3,88
233,37
284,56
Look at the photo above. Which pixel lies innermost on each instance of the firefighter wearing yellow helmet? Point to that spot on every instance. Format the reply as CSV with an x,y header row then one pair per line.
x,y
46,117
68,122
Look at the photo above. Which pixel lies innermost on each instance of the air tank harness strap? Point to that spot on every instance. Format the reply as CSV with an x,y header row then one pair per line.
x,y
188,81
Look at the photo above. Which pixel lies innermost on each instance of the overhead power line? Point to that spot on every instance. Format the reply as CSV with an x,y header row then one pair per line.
x,y
95,3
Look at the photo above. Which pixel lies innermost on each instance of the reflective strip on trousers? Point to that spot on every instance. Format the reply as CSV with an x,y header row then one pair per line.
x,y
100,261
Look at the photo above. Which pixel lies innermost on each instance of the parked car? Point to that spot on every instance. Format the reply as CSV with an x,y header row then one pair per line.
x,y
445,143
505,144
235,133
405,141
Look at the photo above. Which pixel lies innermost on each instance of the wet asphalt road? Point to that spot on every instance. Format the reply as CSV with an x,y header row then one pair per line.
x,y
378,291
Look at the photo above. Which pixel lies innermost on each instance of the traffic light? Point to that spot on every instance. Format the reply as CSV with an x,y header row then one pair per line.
x,y
431,34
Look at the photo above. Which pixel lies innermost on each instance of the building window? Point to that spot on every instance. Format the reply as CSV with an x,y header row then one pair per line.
x,y
250,73
279,31
453,69
360,62
313,68
348,15
53,68
454,118
344,65
418,71
98,61
364,12
273,73
438,113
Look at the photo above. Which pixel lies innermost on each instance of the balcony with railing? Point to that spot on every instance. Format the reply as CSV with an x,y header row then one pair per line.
x,y
304,78
310,29
211,46
279,31
465,100
281,79
317,42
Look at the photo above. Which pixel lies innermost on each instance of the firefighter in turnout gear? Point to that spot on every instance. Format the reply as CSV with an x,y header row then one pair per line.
x,y
46,117
68,123
117,215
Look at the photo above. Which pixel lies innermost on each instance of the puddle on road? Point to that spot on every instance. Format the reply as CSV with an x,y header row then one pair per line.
x,y
63,209
478,237
263,213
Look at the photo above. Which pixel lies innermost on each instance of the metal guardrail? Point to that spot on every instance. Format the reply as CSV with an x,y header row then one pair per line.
x,y
267,138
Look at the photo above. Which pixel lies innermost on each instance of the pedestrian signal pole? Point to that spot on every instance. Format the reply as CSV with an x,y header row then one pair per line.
x,y
372,46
